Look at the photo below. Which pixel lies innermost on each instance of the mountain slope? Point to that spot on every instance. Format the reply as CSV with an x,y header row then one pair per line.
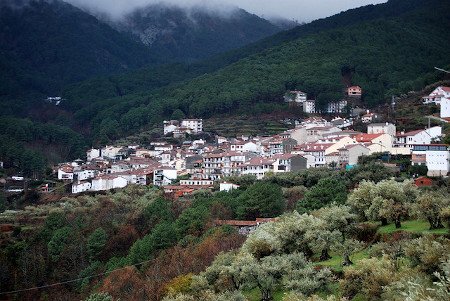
x,y
145,79
46,44
192,33
372,51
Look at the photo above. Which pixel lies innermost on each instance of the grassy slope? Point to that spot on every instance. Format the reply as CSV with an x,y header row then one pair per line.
x,y
416,226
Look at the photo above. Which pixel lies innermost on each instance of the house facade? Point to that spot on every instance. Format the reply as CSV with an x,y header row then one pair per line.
x,y
445,108
350,154
437,95
196,125
354,91
381,128
436,157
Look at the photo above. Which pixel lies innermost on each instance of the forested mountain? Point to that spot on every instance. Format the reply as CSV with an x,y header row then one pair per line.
x,y
192,33
144,79
371,53
47,44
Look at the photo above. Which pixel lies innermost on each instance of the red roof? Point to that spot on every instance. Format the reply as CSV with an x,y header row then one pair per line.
x,y
411,133
284,156
66,168
260,161
366,137
446,89
310,147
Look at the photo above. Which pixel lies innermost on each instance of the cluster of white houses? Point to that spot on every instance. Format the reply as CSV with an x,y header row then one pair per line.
x,y
309,105
180,129
313,143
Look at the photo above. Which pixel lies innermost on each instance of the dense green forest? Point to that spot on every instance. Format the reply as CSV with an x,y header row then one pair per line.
x,y
371,53
103,89
145,245
27,146
47,44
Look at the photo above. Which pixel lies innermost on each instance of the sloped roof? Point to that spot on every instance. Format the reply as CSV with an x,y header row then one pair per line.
x,y
366,137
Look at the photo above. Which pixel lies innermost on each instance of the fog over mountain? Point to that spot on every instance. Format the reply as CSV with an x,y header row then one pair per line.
x,y
301,10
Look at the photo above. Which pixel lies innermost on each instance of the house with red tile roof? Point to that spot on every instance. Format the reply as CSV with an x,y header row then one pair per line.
x,y
437,95
421,136
354,91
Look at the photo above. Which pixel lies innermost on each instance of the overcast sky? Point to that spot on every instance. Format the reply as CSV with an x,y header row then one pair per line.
x,y
301,10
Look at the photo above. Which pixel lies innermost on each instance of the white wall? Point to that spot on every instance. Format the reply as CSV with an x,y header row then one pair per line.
x,y
438,163
445,108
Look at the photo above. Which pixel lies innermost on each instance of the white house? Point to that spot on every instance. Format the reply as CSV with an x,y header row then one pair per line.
x,y
65,172
225,186
381,128
435,156
258,167
164,176
309,106
81,186
298,97
437,95
170,126
107,182
445,107
354,91
84,174
377,143
411,138
336,106
368,118
196,125
111,151
196,182
93,153
313,150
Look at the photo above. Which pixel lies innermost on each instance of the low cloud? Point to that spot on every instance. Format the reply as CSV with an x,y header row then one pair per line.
x,y
301,10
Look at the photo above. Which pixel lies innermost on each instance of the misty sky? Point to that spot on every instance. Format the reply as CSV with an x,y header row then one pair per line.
x,y
301,10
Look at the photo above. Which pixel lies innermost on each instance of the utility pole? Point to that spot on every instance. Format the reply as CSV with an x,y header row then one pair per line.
x,y
440,69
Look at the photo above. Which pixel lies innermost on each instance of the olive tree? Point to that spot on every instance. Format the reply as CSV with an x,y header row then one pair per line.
x,y
292,271
430,205
384,201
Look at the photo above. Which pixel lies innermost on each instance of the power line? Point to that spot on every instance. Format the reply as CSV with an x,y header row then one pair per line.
x,y
69,281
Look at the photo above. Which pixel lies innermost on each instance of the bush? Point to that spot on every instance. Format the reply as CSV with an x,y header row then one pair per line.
x,y
365,232
368,277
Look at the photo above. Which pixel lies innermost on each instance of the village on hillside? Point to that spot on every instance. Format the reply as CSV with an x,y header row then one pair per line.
x,y
313,143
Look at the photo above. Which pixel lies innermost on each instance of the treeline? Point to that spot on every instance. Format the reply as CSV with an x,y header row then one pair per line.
x,y
371,52
27,146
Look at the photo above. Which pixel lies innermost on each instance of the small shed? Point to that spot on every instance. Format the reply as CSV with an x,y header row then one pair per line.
x,y
423,182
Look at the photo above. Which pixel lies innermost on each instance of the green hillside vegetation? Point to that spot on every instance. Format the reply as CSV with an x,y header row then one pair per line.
x,y
135,232
23,144
371,52
103,89
47,44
